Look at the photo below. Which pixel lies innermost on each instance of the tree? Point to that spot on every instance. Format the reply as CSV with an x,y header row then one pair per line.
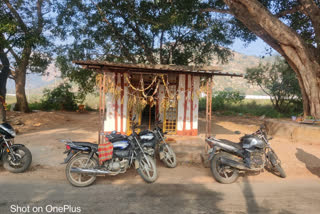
x,y
23,43
138,32
277,80
4,73
290,27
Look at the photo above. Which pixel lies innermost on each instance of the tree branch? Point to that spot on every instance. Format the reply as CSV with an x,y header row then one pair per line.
x,y
289,11
40,16
215,10
17,16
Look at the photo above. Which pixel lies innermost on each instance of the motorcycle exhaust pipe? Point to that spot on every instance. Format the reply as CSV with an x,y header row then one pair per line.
x,y
234,164
90,171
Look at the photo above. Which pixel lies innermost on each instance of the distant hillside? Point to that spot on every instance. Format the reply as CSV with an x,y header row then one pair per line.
x,y
237,64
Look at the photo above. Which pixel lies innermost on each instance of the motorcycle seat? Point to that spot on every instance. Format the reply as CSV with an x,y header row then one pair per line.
x,y
86,144
115,138
228,142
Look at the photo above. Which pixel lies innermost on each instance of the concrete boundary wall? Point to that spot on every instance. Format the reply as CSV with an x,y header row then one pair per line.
x,y
297,133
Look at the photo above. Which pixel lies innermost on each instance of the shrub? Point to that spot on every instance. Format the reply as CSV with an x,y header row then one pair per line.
x,y
59,98
221,98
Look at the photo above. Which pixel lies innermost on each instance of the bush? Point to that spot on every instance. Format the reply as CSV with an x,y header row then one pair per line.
x,y
223,98
59,98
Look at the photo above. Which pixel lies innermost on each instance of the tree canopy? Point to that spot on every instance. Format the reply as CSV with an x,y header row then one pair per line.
x,y
279,81
24,29
140,32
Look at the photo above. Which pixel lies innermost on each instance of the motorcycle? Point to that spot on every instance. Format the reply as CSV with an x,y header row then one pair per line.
x,y
252,154
152,141
83,166
16,158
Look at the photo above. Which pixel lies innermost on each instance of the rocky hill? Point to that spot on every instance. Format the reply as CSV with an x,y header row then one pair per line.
x,y
238,64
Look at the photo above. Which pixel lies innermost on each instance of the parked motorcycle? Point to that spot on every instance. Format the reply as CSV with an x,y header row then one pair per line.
x,y
16,158
152,141
252,154
83,166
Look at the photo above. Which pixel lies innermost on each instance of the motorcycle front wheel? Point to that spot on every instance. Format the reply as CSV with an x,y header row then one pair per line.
x,y
169,159
23,159
274,160
223,173
147,169
82,161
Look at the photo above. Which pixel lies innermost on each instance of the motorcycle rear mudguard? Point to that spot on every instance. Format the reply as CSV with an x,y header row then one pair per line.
x,y
70,155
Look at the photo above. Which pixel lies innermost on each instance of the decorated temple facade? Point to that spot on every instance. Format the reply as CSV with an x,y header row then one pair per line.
x,y
165,93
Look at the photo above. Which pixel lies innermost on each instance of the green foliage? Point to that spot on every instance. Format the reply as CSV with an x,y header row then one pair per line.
x,y
279,81
137,32
221,99
59,98
21,28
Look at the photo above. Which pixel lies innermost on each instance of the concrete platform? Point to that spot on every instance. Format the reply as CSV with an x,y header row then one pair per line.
x,y
187,148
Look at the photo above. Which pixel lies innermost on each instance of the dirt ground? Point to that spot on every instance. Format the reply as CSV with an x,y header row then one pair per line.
x,y
42,132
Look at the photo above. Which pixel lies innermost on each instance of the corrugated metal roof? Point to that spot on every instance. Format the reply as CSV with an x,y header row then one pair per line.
x,y
140,68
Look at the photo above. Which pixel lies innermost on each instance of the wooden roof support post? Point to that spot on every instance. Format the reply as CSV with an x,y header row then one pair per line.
x,y
102,107
208,109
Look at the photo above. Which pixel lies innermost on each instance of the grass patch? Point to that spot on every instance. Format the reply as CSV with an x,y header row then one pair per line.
x,y
248,107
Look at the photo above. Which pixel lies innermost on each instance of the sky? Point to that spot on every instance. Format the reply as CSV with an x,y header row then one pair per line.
x,y
257,48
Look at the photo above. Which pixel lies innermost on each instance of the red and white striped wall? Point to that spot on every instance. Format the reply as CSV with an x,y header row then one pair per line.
x,y
116,109
188,104
187,119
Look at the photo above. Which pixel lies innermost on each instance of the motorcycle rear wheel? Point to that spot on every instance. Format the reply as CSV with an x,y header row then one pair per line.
x,y
222,173
79,179
25,159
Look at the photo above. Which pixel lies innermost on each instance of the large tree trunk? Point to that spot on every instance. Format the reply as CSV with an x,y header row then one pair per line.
x,y
288,43
22,103
20,80
4,74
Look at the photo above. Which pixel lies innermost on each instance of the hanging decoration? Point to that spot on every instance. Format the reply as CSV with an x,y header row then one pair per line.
x,y
138,96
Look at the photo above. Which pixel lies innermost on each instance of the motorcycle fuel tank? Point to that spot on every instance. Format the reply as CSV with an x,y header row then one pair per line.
x,y
146,135
251,142
120,145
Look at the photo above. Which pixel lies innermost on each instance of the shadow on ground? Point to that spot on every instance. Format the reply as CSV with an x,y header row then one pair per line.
x,y
311,161
127,199
251,203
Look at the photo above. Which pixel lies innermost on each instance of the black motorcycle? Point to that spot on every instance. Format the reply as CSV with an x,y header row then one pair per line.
x,y
152,141
83,165
16,158
253,153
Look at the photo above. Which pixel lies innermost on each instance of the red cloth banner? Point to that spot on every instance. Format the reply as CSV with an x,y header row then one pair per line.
x,y
105,152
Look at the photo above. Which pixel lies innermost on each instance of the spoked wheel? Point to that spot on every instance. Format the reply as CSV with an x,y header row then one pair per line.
x,y
23,159
81,161
223,173
276,165
147,169
169,158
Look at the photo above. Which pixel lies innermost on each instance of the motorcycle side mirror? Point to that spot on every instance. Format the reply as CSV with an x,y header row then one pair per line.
x,y
113,132
237,132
